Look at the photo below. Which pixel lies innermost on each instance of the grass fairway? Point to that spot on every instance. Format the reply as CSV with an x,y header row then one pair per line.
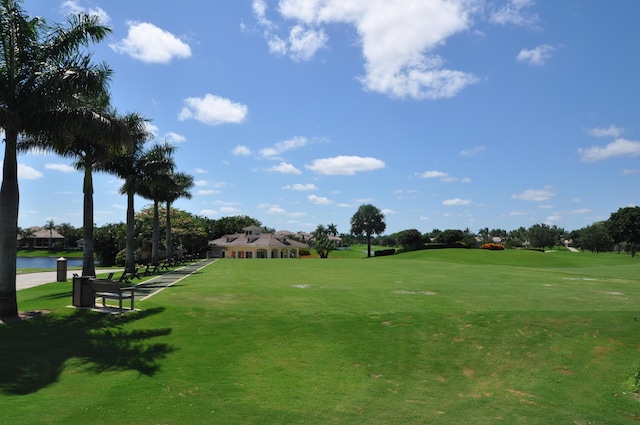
x,y
431,337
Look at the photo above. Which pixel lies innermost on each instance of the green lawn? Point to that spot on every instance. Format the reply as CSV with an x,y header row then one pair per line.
x,y
437,337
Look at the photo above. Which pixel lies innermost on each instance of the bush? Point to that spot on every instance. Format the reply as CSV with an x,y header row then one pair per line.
x,y
121,258
493,246
383,252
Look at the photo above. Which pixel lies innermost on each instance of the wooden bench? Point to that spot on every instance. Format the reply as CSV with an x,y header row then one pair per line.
x,y
106,288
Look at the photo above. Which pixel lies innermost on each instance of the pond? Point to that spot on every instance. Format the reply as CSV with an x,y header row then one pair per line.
x,y
45,262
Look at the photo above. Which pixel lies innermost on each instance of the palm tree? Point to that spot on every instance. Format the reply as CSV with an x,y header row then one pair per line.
x,y
368,220
42,69
130,165
178,185
50,226
91,147
158,164
332,229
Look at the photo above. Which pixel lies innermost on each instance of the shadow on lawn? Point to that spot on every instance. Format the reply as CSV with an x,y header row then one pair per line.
x,y
34,351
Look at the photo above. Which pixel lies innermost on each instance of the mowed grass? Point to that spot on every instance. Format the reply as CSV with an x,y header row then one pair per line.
x,y
437,337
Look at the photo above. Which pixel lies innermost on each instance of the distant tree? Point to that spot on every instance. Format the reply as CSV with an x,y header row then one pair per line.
x,y
484,234
332,229
368,220
231,225
110,239
595,238
410,239
542,235
177,185
450,237
28,234
69,233
624,226
50,226
322,244
518,238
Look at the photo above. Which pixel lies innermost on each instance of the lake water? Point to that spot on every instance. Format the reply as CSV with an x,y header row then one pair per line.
x,y
45,262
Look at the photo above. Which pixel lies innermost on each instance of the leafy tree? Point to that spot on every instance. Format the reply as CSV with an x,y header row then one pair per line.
x,y
624,226
595,238
322,244
368,220
410,239
110,239
518,237
231,225
450,237
543,235
43,68
70,233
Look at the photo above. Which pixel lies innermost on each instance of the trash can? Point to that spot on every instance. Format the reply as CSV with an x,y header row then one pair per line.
x,y
62,269
83,295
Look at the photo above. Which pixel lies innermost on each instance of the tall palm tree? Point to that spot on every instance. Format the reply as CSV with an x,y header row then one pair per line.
x,y
178,186
91,147
50,226
159,164
130,165
42,68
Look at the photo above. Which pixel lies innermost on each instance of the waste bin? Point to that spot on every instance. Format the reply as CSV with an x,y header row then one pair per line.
x,y
83,295
62,269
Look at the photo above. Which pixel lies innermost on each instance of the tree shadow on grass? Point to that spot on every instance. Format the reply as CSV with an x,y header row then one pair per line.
x,y
34,351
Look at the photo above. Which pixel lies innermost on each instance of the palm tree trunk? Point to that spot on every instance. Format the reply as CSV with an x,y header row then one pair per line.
x,y
155,241
130,262
368,244
168,233
88,264
9,202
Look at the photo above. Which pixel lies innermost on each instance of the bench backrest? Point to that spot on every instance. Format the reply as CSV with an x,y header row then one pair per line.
x,y
105,285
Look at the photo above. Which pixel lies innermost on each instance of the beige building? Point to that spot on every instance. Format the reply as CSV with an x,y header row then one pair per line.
x,y
252,243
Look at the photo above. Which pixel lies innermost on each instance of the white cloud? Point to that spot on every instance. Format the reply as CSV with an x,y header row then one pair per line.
x,y
148,43
619,147
213,110
200,171
207,192
514,12
456,202
434,175
345,165
398,40
272,209
241,150
319,200
536,56
612,131
473,151
63,168
281,147
630,171
284,168
175,137
73,7
301,187
537,195
208,213
26,172
151,129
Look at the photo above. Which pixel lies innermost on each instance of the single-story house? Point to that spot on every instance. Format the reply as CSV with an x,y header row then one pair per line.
x,y
40,238
252,243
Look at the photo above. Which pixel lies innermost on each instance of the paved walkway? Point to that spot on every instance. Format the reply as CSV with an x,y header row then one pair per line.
x,y
143,290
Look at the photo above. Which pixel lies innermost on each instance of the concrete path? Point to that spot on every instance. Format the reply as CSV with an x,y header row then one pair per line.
x,y
29,280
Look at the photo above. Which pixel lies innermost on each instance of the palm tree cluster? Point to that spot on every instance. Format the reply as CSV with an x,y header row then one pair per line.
x,y
53,97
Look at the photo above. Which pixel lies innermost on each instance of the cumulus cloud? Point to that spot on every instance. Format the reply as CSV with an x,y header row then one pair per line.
x,y
473,151
26,172
284,168
619,147
63,168
148,43
434,175
241,150
281,147
537,195
515,12
319,200
300,187
345,165
536,56
398,39
456,202
74,7
175,137
611,131
213,110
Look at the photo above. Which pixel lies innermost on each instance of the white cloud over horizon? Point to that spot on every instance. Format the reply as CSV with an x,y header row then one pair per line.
x,y
619,147
536,195
345,165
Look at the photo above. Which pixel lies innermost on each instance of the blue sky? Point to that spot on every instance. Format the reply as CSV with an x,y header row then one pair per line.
x,y
446,114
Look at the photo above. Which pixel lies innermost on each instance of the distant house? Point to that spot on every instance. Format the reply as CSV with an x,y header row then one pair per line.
x,y
252,243
40,239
